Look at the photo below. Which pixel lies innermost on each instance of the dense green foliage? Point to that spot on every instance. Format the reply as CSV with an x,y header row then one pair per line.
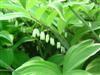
x,y
49,37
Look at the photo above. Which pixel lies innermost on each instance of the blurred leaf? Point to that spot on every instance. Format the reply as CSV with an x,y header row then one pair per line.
x,y
9,16
5,65
94,67
4,73
14,6
7,37
19,58
57,59
23,2
22,40
11,6
61,25
79,32
39,12
30,4
6,57
58,7
77,72
79,53
51,18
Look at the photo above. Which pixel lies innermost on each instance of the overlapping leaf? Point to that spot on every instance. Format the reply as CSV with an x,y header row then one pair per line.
x,y
6,58
77,72
58,7
6,37
57,59
9,16
19,58
37,66
79,32
94,66
79,53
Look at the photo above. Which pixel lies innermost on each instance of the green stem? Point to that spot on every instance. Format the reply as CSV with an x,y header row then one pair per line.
x,y
85,23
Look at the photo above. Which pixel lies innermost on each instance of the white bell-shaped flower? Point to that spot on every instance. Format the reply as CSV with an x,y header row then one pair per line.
x,y
58,45
47,38
36,32
62,49
52,42
42,36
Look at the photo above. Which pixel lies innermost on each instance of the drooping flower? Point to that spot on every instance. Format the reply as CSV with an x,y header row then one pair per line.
x,y
47,38
42,36
62,49
36,32
58,45
52,42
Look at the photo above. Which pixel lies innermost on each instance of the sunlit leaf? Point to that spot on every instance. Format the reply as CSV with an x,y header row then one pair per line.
x,y
61,25
51,18
77,72
39,67
9,16
11,6
58,7
30,4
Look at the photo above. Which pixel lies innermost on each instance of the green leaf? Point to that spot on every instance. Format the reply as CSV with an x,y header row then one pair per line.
x,y
51,18
39,12
57,59
37,67
5,65
83,5
23,2
11,6
94,67
58,7
79,32
30,4
61,25
14,6
79,53
9,16
22,40
4,73
77,72
87,7
6,57
82,44
6,37
19,58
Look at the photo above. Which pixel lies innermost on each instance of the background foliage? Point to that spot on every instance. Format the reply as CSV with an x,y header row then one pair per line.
x,y
54,37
